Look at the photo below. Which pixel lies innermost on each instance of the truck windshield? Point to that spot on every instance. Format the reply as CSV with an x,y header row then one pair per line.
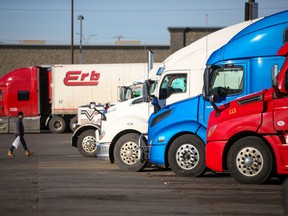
x,y
228,78
173,83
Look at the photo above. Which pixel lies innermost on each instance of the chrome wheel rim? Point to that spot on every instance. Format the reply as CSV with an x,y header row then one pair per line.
x,y
89,144
187,156
129,153
249,161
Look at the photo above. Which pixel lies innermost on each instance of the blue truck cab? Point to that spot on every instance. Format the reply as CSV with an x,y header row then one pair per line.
x,y
177,133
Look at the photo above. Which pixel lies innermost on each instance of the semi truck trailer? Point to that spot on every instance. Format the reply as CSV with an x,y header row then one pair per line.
x,y
50,95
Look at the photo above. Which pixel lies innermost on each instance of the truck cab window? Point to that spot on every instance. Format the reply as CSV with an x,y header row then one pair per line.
x,y
173,83
137,90
286,36
1,97
23,95
133,91
228,78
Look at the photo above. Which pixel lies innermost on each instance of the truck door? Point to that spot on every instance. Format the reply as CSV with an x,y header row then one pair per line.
x,y
172,88
280,122
280,114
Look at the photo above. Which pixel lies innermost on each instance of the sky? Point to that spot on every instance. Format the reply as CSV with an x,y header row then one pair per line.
x,y
106,20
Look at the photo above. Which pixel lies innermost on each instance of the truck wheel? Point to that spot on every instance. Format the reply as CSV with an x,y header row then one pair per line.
x,y
126,153
73,121
186,156
250,161
57,124
86,143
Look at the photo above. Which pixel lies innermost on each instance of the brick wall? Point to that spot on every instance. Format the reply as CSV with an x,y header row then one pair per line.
x,y
16,56
181,37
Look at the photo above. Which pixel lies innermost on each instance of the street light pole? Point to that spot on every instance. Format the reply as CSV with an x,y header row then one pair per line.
x,y
72,32
80,17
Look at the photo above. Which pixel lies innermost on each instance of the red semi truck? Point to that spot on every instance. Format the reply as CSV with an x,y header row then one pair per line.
x,y
249,136
50,95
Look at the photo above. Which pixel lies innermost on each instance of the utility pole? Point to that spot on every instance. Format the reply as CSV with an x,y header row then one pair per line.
x,y
251,10
72,32
81,18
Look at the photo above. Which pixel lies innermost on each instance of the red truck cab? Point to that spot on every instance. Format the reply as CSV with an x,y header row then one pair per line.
x,y
27,90
249,136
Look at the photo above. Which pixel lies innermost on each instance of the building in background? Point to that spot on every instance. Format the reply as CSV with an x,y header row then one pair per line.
x,y
36,52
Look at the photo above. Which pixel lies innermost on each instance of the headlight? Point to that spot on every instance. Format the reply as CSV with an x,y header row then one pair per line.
x,y
211,130
161,116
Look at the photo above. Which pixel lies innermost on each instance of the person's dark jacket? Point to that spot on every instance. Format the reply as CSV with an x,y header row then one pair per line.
x,y
19,127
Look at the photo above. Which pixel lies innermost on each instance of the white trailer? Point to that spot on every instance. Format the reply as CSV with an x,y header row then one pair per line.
x,y
75,85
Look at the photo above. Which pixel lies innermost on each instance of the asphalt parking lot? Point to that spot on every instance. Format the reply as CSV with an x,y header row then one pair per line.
x,y
57,180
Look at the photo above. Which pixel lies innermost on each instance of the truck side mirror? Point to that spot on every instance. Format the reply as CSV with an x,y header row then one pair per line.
x,y
282,80
145,90
214,98
156,105
274,76
121,93
205,90
92,105
286,82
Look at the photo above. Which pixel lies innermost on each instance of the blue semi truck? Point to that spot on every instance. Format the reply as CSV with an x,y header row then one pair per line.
x,y
177,133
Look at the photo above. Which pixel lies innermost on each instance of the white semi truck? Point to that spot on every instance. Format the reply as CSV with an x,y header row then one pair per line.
x,y
179,77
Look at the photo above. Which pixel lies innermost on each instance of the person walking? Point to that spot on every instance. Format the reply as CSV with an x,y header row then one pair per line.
x,y
19,131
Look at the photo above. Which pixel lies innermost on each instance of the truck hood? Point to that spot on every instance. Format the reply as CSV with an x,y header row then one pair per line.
x,y
242,114
119,107
242,103
176,112
128,110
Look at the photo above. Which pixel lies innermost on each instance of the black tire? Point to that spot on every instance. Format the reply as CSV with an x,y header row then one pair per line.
x,y
250,161
126,153
72,122
57,124
86,143
186,156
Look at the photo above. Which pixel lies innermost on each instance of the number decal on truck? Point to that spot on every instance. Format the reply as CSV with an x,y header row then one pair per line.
x,y
232,111
77,78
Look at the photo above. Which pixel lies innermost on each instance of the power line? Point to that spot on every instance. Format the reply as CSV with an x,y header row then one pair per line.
x,y
133,11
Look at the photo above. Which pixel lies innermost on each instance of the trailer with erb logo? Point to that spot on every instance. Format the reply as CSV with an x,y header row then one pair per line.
x,y
50,96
